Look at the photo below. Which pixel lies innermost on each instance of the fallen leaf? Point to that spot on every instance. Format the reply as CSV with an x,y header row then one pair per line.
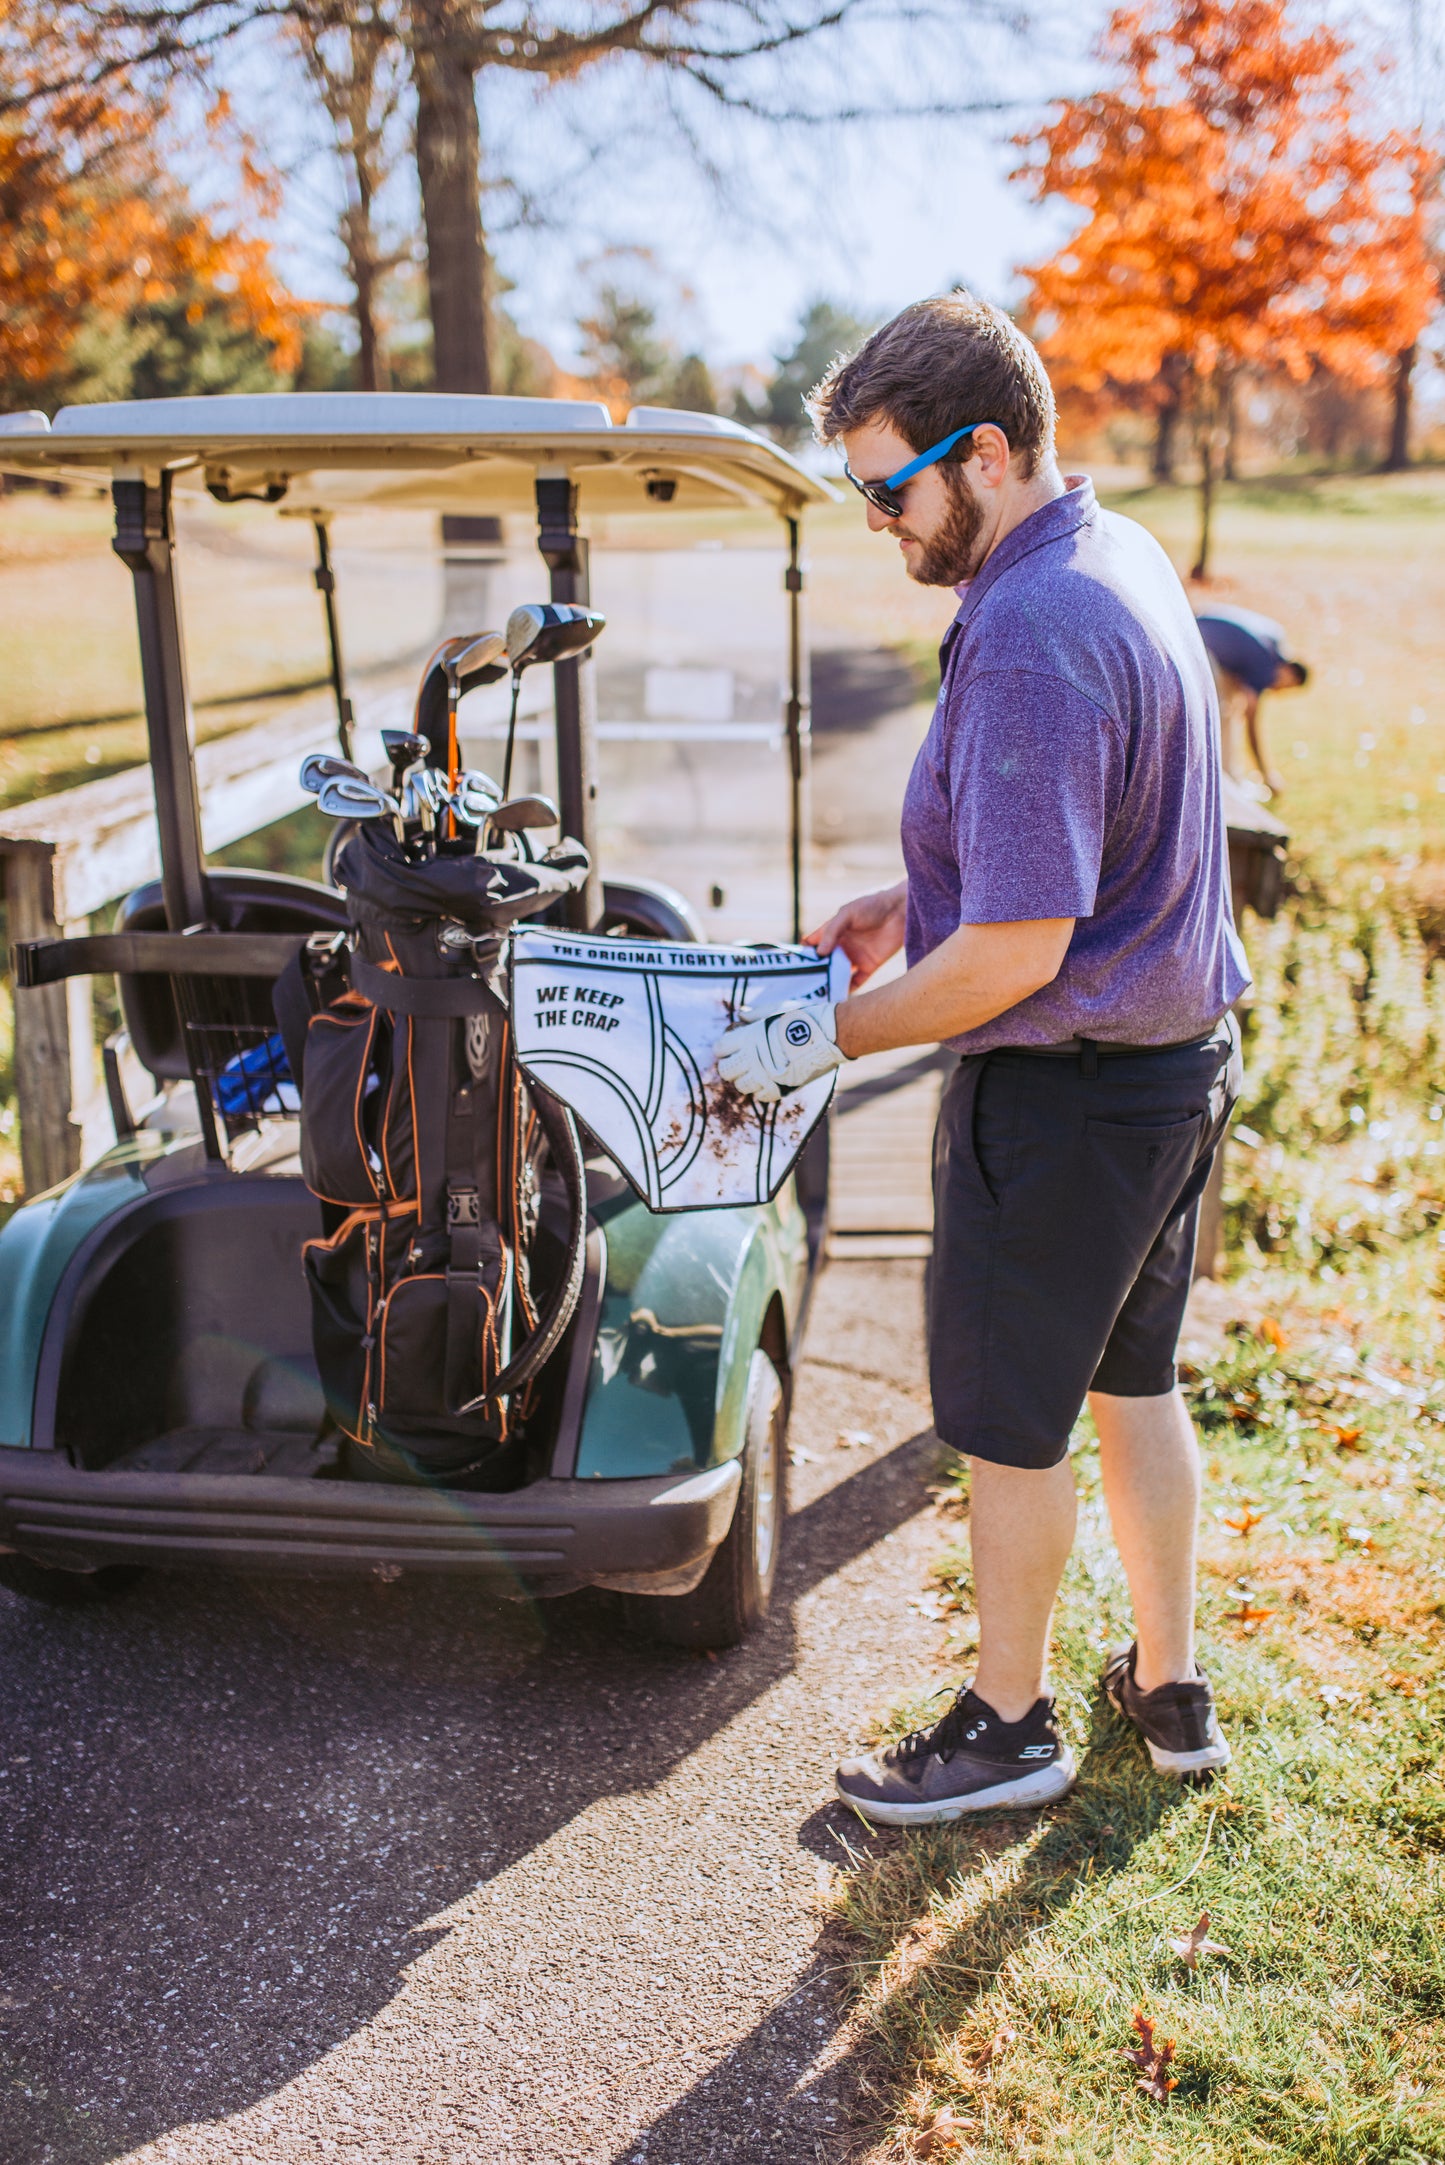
x,y
1346,1439
1409,1685
1249,1616
930,2141
855,1439
1246,1522
1196,1942
1269,1330
1151,2059
989,2052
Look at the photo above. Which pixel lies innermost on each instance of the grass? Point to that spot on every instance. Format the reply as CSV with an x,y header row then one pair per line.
x,y
999,1966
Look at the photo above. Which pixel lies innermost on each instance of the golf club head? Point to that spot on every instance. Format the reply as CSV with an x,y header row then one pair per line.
x,y
344,797
487,650
319,767
424,794
402,749
520,812
473,778
548,631
473,807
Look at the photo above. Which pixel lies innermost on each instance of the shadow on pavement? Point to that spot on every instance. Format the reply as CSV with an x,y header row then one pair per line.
x,y
1116,1807
230,1807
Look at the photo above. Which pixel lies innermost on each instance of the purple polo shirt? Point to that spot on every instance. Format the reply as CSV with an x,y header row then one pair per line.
x,y
1071,769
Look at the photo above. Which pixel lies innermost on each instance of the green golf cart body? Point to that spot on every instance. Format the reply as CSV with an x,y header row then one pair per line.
x,y
158,1398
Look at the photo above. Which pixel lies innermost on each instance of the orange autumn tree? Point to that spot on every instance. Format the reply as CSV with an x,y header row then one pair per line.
x,y
94,231
1237,216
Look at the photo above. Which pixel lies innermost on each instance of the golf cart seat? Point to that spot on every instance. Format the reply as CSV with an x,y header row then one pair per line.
x,y
240,901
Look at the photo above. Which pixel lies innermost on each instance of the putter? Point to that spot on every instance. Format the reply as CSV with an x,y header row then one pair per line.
x,y
543,631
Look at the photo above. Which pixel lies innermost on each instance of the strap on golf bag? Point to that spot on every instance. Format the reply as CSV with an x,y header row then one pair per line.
x,y
439,1289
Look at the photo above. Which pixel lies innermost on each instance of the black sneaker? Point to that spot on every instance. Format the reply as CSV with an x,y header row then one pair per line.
x,y
970,1761
1176,1721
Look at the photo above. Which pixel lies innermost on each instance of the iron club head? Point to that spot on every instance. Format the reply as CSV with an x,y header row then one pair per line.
x,y
343,796
520,812
320,767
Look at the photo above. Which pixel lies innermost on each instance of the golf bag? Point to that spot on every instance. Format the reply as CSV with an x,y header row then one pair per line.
x,y
437,1291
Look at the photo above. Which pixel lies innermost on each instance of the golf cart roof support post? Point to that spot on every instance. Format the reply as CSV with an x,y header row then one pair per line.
x,y
325,578
796,716
564,552
144,540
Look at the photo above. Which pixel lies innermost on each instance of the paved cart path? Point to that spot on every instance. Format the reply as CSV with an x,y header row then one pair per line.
x,y
386,1873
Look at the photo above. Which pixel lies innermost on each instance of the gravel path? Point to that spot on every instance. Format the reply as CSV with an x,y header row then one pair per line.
x,y
388,1873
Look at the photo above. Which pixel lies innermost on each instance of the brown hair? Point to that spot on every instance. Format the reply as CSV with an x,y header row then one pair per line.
x,y
939,363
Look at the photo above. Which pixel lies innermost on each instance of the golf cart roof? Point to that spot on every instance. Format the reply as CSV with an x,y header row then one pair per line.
x,y
337,450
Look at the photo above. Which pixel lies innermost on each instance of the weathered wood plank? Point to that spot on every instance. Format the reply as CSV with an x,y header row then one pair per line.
x,y
102,836
49,1137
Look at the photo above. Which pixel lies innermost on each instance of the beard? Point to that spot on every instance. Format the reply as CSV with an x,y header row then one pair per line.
x,y
950,555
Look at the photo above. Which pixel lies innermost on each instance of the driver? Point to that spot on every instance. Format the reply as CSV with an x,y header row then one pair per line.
x,y
1066,924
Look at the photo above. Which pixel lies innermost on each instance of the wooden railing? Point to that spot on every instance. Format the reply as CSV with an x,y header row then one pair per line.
x,y
67,856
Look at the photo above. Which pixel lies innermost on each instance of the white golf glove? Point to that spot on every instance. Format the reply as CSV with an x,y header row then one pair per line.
x,y
780,1049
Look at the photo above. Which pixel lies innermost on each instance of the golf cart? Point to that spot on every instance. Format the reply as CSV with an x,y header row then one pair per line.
x,y
160,1401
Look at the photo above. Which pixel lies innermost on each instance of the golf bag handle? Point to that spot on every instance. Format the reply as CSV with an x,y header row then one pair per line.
x,y
560,1130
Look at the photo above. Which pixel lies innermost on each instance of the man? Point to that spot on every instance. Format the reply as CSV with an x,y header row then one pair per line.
x,y
1247,654
1067,930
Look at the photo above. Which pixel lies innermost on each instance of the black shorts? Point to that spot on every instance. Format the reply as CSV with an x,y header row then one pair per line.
x,y
1066,1203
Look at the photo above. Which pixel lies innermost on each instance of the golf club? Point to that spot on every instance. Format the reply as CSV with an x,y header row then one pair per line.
x,y
459,660
319,767
403,750
345,797
543,631
473,807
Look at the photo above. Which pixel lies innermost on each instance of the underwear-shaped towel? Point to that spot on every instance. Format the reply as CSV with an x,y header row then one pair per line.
x,y
625,1031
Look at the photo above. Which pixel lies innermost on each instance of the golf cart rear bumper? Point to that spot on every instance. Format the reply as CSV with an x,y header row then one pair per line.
x,y
553,1533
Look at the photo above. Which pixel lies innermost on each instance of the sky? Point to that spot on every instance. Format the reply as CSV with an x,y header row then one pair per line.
x,y
730,227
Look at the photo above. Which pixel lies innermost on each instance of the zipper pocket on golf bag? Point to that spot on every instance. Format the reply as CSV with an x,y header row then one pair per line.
x,y
358,1134
344,1276
440,1337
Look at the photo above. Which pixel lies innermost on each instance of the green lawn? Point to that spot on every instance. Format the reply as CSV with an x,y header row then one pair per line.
x,y
1000,1965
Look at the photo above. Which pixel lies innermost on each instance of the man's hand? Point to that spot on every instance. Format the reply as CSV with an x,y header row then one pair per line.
x,y
869,931
780,1049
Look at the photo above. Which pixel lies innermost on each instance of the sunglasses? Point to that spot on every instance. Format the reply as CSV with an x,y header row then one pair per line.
x,y
883,495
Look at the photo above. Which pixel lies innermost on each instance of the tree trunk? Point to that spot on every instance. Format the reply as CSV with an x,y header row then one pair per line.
x,y
448,160
1397,458
373,369
1231,430
1169,414
1200,569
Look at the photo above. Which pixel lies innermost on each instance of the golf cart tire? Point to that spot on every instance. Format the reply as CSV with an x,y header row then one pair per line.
x,y
733,1597
59,1589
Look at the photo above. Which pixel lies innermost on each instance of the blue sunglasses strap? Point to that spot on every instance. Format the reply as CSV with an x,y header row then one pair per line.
x,y
929,457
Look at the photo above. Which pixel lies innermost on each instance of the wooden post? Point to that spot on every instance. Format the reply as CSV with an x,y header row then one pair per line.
x,y
49,1137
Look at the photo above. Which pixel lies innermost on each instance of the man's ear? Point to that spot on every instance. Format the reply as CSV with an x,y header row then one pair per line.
x,y
990,459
